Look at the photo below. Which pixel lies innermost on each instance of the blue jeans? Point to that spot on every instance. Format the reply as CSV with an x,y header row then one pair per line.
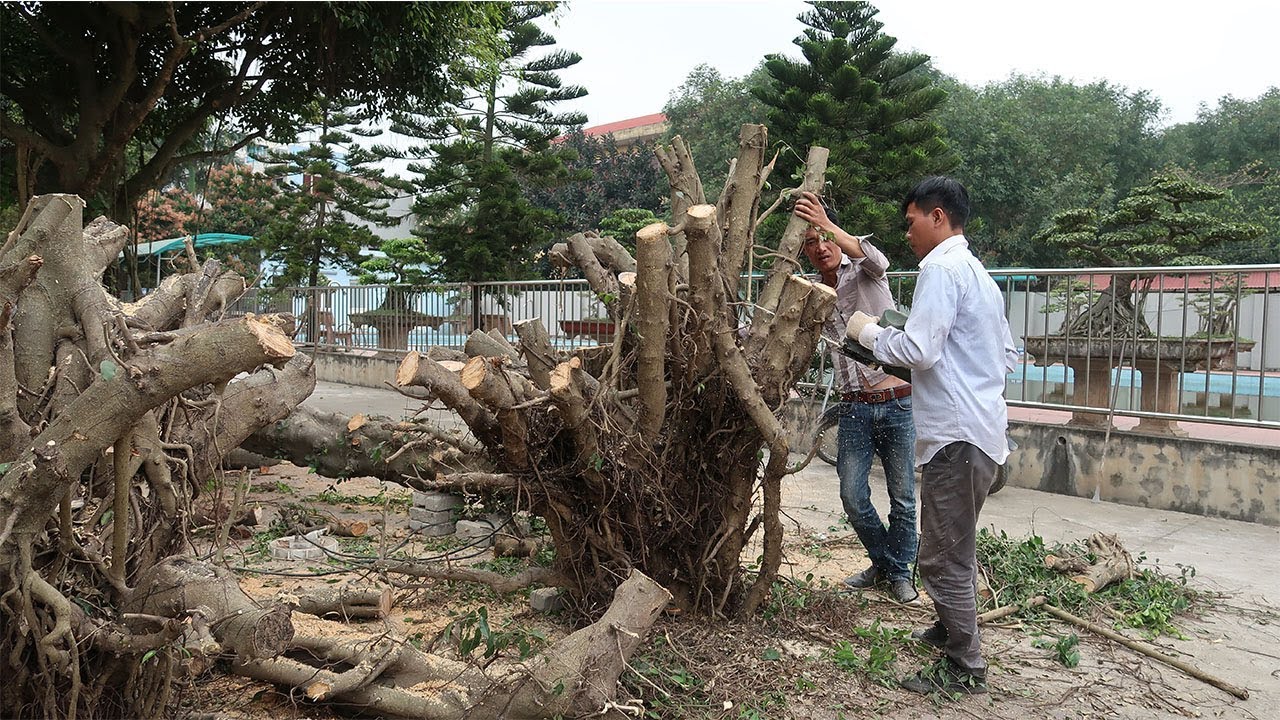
x,y
885,429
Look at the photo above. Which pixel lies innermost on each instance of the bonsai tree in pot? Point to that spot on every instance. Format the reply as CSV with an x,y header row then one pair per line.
x,y
1173,220
1159,223
404,266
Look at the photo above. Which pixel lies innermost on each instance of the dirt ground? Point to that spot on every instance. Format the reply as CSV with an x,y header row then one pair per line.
x,y
815,652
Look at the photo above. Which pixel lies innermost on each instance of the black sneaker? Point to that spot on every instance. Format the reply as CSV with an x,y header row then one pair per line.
x,y
946,676
935,635
904,592
866,579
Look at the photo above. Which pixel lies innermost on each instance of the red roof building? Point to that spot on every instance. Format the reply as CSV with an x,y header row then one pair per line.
x,y
627,133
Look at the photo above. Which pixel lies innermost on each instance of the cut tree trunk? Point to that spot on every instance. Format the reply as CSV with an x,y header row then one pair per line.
x,y
112,416
575,677
647,455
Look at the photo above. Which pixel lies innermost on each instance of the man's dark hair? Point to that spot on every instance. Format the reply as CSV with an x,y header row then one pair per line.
x,y
940,191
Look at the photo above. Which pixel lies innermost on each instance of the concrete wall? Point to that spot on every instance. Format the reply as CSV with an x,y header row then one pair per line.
x,y
1240,482
1203,477
363,368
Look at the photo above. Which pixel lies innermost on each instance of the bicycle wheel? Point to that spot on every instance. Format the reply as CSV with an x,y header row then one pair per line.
x,y
826,438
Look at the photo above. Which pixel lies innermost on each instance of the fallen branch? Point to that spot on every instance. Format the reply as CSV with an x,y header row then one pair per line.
x,y
1149,651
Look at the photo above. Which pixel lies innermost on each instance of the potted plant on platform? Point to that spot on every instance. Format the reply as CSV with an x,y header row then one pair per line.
x,y
1105,324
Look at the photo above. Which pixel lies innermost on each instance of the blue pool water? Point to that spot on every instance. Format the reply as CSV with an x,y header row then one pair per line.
x,y
1218,382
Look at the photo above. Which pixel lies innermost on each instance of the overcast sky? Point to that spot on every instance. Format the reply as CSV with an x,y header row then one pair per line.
x,y
634,52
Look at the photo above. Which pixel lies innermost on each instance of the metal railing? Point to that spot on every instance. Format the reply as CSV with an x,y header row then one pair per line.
x,y
1160,344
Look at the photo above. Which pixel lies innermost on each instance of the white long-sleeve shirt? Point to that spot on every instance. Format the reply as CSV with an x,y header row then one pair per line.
x,y
958,347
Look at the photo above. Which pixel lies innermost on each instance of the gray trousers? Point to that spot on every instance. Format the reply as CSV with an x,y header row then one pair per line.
x,y
953,486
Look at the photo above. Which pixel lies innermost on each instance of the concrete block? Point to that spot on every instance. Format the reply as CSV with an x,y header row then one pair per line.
x,y
436,500
431,516
431,529
546,600
476,533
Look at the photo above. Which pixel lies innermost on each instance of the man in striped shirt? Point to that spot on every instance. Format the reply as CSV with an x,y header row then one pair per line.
x,y
875,413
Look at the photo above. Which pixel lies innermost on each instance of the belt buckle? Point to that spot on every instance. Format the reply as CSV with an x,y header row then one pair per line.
x,y
878,396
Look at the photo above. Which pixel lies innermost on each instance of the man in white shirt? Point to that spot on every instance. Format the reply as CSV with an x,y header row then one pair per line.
x,y
958,347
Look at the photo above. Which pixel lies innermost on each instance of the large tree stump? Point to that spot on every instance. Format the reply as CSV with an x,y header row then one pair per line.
x,y
648,455
112,417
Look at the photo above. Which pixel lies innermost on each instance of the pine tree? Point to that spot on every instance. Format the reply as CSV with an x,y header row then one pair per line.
x,y
870,105
330,186
493,139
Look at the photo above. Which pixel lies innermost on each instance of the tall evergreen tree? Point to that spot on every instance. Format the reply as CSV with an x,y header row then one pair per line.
x,y
472,208
870,105
330,186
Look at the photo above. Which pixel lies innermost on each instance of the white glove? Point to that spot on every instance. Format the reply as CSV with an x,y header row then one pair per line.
x,y
863,328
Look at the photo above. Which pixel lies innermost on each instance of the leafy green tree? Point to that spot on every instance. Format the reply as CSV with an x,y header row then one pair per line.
x,y
85,83
604,179
708,110
623,224
869,104
495,139
331,185
1029,146
1237,146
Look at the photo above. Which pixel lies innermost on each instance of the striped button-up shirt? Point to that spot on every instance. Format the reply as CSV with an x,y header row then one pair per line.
x,y
861,284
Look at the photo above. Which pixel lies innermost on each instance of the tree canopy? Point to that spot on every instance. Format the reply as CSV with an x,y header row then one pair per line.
x,y
493,140
708,110
605,179
102,99
331,184
1236,145
1030,147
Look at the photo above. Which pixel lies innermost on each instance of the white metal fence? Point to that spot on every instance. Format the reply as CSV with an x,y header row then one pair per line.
x,y
1205,345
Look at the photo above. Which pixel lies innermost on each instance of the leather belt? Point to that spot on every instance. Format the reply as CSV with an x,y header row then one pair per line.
x,y
877,396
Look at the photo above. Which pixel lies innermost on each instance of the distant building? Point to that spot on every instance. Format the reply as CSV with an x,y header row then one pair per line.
x,y
629,133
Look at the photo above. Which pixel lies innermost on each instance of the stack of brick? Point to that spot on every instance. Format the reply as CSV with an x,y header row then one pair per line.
x,y
432,513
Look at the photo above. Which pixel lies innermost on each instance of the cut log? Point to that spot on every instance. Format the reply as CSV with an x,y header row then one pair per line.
x,y
653,315
346,602
1112,563
603,282
404,453
609,252
178,586
347,527
447,386
500,391
535,347
482,344
742,201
